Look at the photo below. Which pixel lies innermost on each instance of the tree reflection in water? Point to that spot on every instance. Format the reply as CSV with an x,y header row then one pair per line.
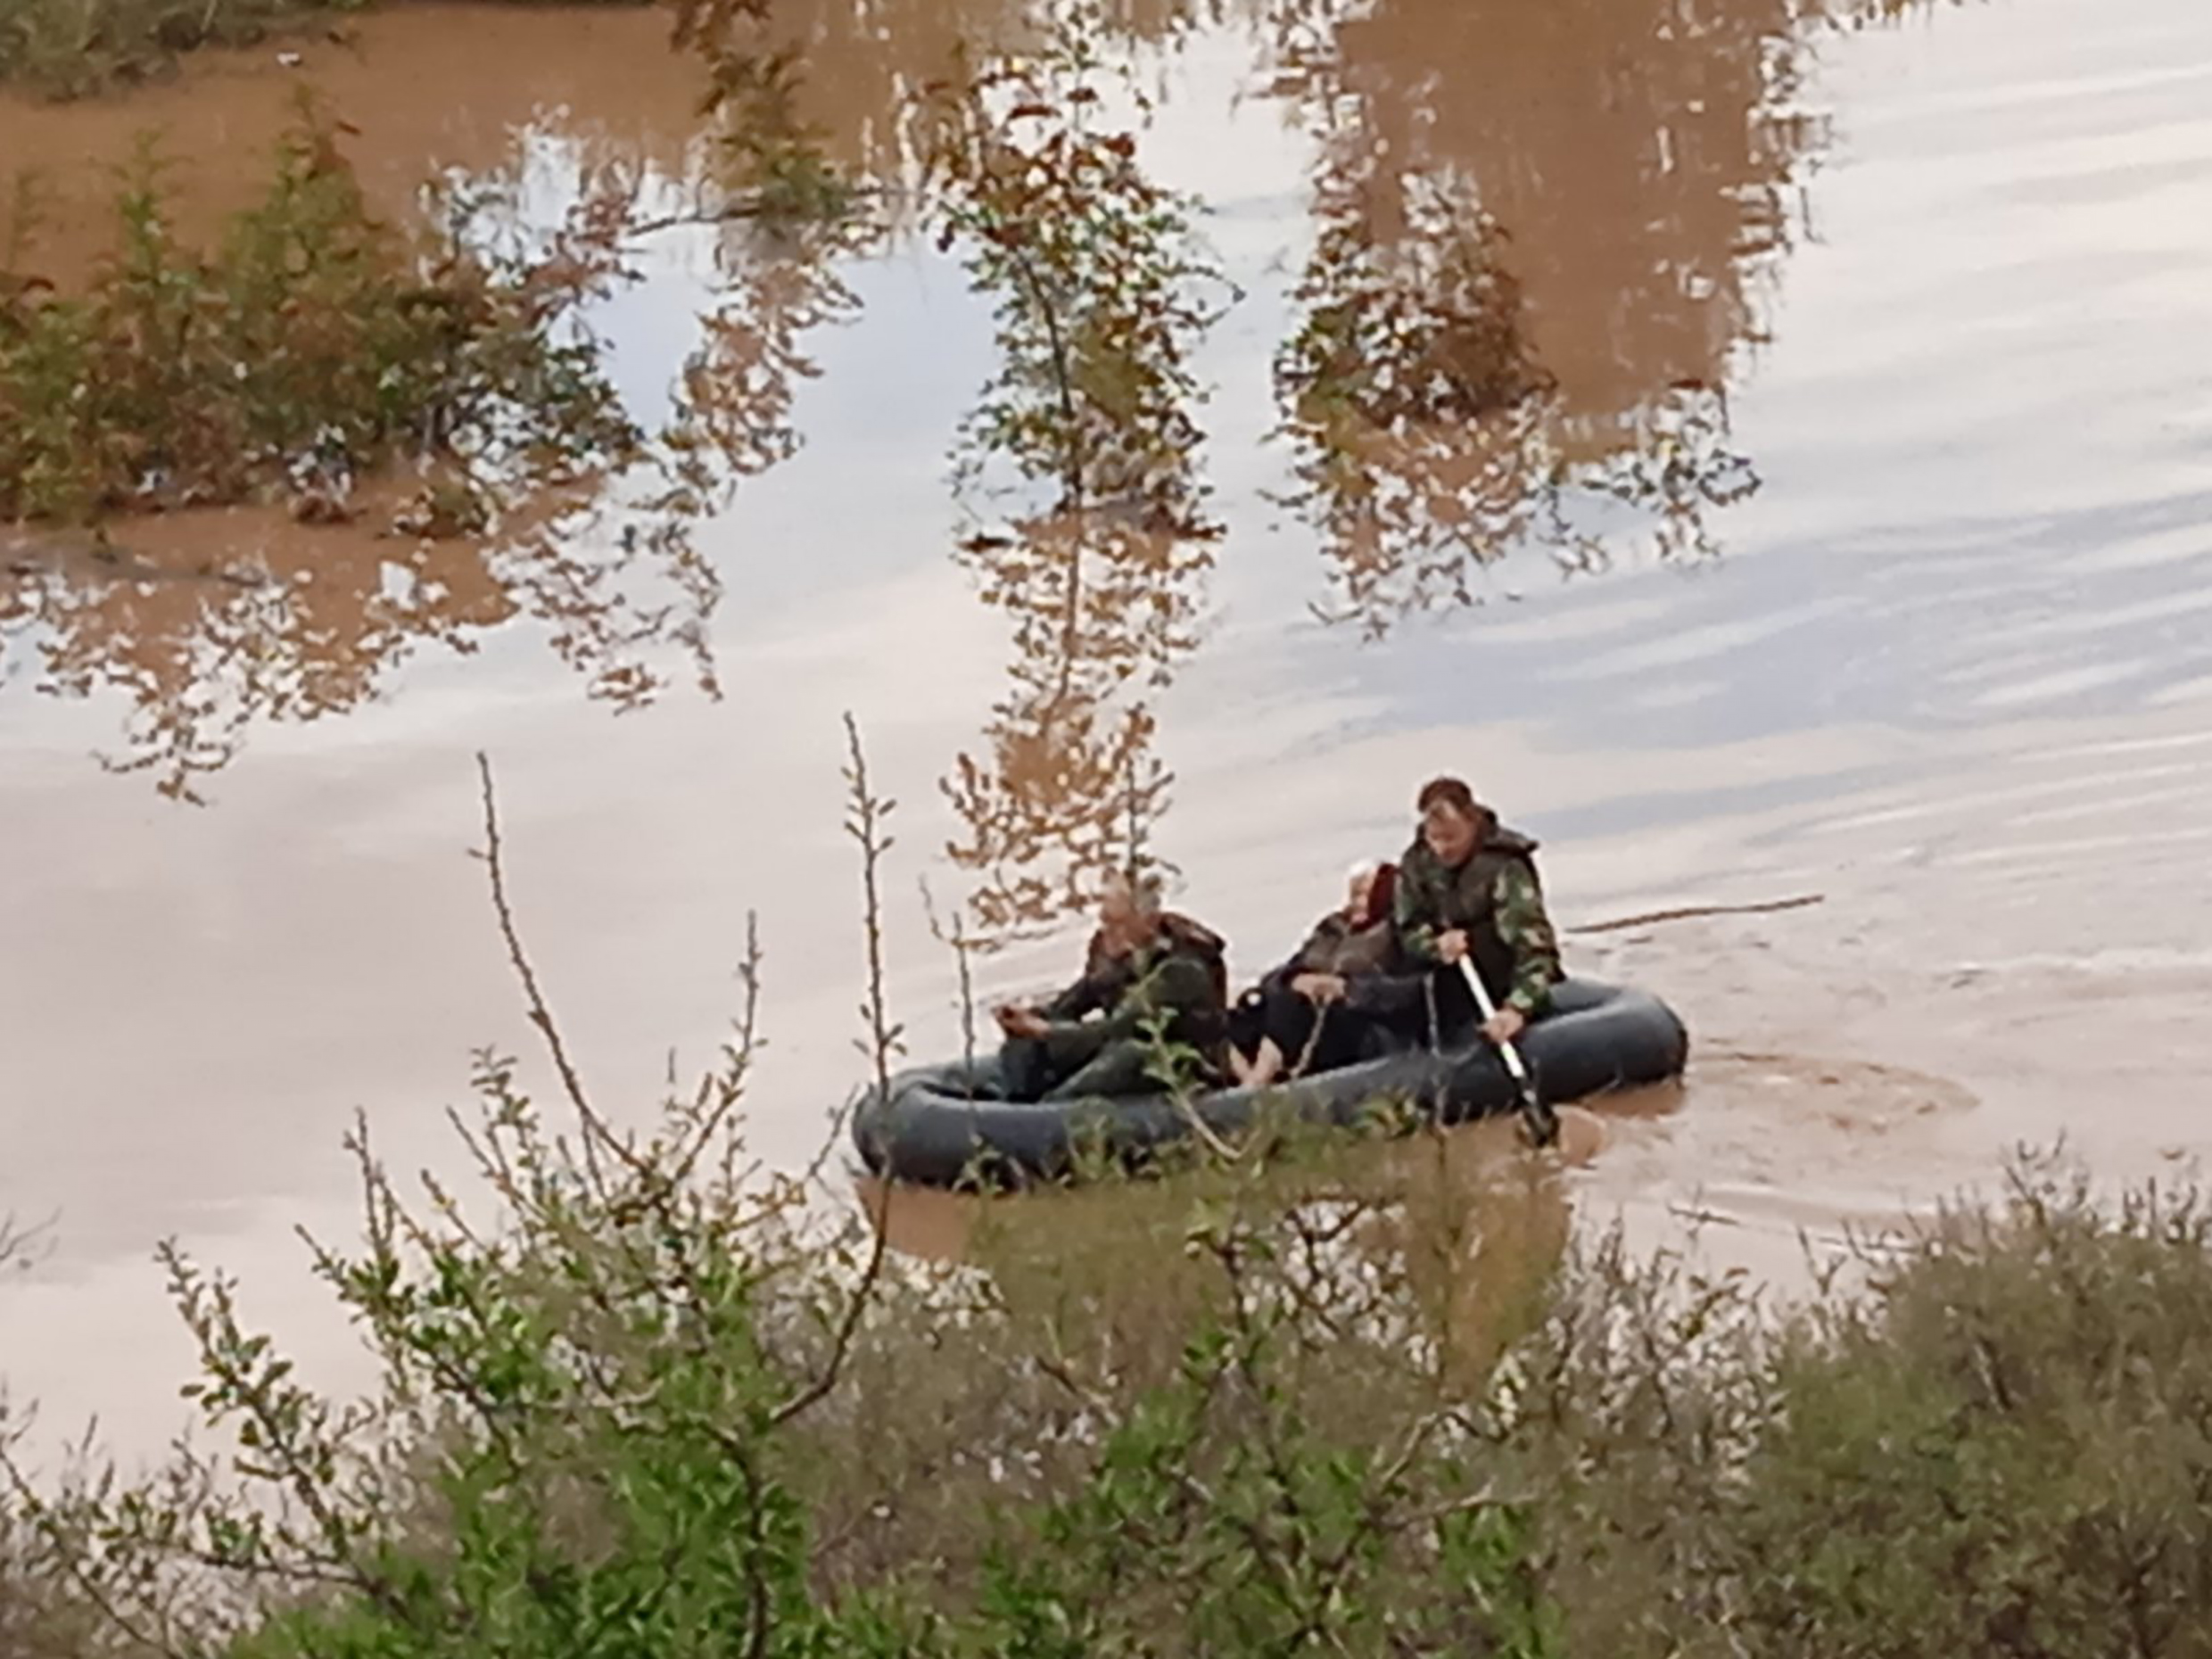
x,y
211,624
1544,237
1543,241
1089,424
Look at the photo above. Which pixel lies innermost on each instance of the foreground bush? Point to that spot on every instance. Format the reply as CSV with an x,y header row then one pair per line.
x,y
2009,1452
1999,1444
647,1402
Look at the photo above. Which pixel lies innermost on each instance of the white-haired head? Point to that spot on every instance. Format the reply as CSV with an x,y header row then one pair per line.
x,y
1359,879
1129,909
1141,890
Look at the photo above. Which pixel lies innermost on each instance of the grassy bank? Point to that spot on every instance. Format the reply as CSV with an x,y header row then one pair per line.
x,y
637,1401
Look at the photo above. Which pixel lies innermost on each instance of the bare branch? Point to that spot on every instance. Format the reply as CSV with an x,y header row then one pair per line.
x,y
745,209
721,1094
1203,1130
866,824
963,947
19,1244
596,1129
1650,918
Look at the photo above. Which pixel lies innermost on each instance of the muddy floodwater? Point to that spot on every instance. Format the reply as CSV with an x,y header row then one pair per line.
x,y
1903,327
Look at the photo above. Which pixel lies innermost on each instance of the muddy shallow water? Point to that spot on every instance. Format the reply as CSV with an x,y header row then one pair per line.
x,y
1947,667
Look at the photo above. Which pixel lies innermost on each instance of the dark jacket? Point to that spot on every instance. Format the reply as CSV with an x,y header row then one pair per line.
x,y
1378,978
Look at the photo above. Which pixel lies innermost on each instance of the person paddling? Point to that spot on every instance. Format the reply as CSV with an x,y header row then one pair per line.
x,y
1468,891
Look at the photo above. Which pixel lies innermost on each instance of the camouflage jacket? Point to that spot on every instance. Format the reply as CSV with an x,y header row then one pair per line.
x,y
1181,974
1496,898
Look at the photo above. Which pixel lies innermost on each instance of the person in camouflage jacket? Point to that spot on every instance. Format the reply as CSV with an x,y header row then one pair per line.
x,y
1467,889
1147,967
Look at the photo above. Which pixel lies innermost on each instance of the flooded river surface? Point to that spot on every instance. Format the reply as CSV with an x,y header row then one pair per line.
x,y
1898,340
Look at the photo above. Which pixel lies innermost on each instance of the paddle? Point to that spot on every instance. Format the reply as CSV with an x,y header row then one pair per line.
x,y
1537,1117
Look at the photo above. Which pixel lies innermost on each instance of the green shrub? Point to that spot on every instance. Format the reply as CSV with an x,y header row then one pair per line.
x,y
68,48
1999,1444
314,339
2008,1451
71,49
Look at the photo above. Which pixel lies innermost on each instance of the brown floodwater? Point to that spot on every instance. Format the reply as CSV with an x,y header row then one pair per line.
x,y
1938,286
413,85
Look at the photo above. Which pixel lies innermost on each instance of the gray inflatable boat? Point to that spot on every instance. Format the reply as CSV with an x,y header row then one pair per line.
x,y
950,1124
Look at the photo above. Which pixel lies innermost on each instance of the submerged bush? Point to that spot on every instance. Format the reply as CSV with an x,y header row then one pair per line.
x,y
313,342
66,48
69,48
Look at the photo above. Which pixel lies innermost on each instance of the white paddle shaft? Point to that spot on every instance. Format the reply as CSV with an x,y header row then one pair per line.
x,y
1510,1051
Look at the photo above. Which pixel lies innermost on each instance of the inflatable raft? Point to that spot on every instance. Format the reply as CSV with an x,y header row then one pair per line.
x,y
950,1124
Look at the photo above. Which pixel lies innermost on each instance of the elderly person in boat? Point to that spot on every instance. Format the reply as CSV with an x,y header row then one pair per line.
x,y
1468,892
1322,1008
1154,982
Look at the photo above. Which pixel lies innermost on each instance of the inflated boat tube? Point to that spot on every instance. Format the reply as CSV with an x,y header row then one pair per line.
x,y
950,1124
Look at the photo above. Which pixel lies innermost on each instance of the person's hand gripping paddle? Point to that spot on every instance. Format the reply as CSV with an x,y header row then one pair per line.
x,y
1538,1122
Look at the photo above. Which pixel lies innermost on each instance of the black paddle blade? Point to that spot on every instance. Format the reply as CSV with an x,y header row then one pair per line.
x,y
1539,1125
